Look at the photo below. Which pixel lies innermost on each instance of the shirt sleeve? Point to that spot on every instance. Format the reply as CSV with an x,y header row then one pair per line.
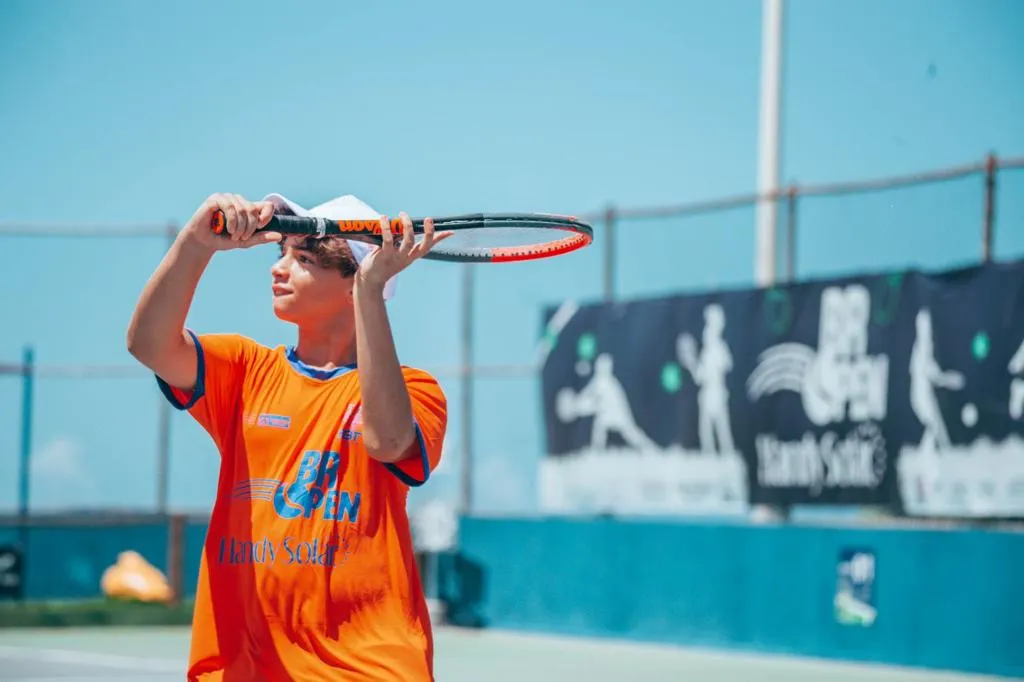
x,y
430,417
215,401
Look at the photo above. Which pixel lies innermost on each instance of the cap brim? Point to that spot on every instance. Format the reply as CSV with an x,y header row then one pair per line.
x,y
360,250
284,202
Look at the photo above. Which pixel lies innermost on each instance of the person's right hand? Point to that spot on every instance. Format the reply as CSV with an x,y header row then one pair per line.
x,y
242,220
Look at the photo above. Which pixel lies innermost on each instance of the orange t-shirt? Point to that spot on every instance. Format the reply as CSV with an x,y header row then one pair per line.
x,y
308,570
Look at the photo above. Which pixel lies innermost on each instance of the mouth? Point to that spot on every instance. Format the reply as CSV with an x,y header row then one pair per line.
x,y
280,290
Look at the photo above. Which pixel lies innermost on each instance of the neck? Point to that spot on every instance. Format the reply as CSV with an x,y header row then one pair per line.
x,y
326,346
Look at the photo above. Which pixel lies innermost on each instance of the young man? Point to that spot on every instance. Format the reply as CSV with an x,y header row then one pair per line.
x,y
308,570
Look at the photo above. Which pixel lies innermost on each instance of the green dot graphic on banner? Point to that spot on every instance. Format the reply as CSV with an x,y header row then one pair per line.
x,y
778,311
980,346
586,347
886,298
671,377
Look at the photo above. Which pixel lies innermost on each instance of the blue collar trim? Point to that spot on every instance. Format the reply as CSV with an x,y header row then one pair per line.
x,y
313,372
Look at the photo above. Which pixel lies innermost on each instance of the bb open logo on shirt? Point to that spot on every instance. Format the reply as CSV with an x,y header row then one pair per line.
x,y
314,488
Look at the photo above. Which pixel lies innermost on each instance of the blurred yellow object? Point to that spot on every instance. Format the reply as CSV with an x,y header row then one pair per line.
x,y
132,577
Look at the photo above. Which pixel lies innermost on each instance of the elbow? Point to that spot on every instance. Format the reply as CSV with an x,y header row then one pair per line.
x,y
388,450
385,456
136,344
141,346
132,341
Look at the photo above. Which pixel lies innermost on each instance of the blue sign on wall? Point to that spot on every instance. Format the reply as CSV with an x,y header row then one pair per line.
x,y
11,583
855,588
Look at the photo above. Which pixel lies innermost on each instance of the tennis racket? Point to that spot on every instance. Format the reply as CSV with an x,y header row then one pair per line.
x,y
477,238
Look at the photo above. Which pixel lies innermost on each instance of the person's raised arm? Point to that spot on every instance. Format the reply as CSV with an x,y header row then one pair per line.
x,y
388,430
156,334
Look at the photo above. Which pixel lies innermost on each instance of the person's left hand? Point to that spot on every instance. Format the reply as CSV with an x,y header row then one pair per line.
x,y
390,258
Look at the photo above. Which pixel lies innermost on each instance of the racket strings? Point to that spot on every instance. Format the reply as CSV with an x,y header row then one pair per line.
x,y
473,237
480,242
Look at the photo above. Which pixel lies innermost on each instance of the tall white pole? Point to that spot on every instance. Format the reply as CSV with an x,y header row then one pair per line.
x,y
768,141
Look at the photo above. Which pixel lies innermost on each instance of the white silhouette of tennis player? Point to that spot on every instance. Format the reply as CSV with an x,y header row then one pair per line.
x,y
1017,384
605,399
709,370
925,377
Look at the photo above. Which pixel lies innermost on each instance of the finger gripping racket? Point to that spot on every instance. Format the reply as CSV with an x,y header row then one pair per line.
x,y
476,237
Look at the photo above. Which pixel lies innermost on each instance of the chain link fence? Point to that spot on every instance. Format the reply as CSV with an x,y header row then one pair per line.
x,y
937,219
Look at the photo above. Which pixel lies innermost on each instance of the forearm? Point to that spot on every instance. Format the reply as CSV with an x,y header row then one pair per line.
x,y
388,430
159,317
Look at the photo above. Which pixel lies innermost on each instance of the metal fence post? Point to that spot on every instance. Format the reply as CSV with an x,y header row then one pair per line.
x,y
163,445
163,455
608,275
25,460
988,224
791,234
466,373
176,556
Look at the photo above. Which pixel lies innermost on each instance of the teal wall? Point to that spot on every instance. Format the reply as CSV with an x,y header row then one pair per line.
x,y
945,599
949,599
67,561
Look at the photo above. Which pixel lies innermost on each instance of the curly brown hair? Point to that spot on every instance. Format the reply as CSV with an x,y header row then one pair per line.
x,y
332,253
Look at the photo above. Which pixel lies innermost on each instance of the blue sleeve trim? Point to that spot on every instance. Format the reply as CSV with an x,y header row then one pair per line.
x,y
199,391
424,461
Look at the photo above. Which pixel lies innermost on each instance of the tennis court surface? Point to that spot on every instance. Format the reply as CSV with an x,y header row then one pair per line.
x,y
158,655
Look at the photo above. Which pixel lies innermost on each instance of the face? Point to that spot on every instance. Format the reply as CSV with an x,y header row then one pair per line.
x,y
304,291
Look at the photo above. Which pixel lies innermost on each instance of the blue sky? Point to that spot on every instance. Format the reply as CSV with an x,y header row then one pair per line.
x,y
124,112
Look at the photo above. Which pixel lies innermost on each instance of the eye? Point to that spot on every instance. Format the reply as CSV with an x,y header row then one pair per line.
x,y
305,260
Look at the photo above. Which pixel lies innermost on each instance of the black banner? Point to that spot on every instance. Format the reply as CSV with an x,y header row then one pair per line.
x,y
11,574
904,390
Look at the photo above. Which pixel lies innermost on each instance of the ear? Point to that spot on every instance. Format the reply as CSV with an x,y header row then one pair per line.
x,y
348,286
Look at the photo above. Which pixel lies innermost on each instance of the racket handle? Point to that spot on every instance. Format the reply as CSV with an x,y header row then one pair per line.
x,y
307,225
218,223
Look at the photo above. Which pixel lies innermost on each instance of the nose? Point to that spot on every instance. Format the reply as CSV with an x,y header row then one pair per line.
x,y
279,270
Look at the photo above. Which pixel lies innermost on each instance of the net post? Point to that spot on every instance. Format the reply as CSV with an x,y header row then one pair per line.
x,y
988,221
466,377
791,196
25,454
608,274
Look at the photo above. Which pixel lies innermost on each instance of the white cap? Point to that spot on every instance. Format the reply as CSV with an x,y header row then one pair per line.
x,y
347,207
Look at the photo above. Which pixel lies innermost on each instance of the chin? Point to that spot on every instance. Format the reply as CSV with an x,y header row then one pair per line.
x,y
285,312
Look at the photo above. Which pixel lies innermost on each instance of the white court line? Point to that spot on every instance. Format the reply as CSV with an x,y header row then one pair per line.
x,y
87,658
65,678
823,667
